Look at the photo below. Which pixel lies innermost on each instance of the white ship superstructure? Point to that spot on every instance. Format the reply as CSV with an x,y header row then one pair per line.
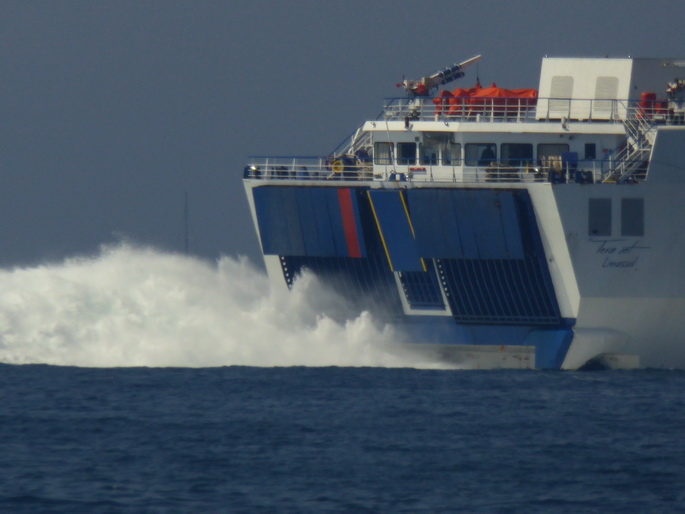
x,y
510,228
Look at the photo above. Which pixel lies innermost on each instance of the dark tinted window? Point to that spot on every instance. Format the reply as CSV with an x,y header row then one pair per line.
x,y
406,153
517,154
590,151
599,217
632,217
480,154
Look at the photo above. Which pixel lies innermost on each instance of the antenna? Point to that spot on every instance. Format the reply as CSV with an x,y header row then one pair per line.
x,y
422,86
185,218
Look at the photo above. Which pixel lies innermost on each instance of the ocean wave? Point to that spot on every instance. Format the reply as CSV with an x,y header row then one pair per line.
x,y
133,306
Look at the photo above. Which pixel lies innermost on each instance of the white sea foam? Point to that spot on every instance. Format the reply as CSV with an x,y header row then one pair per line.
x,y
133,306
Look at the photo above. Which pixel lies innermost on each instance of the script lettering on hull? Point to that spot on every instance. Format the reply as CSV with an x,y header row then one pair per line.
x,y
619,253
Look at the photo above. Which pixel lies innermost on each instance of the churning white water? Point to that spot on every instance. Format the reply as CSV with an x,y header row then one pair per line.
x,y
133,306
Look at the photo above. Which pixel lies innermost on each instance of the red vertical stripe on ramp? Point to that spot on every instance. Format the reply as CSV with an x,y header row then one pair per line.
x,y
349,225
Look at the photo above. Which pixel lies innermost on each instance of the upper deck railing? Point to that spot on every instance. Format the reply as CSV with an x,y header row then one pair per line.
x,y
491,109
347,163
485,109
322,169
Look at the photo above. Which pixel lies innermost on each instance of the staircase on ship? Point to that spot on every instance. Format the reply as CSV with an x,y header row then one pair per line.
x,y
631,160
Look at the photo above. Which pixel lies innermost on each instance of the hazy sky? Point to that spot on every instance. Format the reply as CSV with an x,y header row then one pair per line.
x,y
110,111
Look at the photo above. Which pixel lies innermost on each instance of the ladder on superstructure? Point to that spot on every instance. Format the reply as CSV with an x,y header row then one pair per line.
x,y
630,163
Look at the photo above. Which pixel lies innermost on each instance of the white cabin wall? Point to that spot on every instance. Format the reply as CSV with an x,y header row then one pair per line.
x,y
552,134
585,73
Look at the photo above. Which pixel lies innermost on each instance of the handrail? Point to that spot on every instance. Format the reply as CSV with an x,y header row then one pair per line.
x,y
504,109
485,109
305,168
350,163
631,160
320,169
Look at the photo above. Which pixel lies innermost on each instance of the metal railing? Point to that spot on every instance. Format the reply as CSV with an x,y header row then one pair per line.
x,y
323,169
498,109
307,168
352,160
461,109
631,160
553,170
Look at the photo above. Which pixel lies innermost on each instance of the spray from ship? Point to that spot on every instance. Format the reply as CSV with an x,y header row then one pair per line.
x,y
132,306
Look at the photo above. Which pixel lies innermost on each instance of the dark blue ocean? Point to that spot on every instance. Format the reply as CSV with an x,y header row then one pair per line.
x,y
336,439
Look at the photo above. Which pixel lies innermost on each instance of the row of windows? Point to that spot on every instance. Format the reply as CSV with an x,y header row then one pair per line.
x,y
441,151
632,217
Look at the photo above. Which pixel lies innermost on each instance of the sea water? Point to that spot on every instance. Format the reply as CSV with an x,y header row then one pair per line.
x,y
138,381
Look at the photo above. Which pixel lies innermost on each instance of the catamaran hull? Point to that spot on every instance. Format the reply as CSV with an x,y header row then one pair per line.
x,y
503,228
503,275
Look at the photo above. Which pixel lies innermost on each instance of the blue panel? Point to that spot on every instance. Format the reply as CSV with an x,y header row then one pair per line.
x,y
304,221
462,211
396,230
425,210
447,220
279,221
488,224
483,220
435,223
336,222
511,225
466,223
316,224
290,211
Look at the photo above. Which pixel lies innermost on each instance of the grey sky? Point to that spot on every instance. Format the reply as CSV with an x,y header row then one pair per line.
x,y
111,110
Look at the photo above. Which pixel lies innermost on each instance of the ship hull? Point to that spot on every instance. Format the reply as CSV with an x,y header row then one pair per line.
x,y
498,275
541,233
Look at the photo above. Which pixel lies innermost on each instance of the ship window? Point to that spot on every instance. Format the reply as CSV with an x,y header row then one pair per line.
x,y
550,155
406,153
433,143
599,217
516,154
632,217
382,153
429,155
480,154
551,150
590,151
452,154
